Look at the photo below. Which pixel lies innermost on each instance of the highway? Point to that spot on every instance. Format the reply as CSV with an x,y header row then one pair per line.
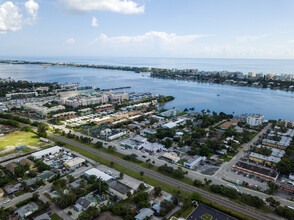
x,y
212,197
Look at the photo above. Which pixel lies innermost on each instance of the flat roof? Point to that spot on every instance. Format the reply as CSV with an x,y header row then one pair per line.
x,y
46,151
75,161
170,156
98,174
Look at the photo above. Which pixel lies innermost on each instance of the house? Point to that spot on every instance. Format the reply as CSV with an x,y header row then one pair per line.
x,y
144,213
27,210
119,189
222,151
228,124
11,166
45,175
26,161
194,161
13,188
170,157
31,181
84,202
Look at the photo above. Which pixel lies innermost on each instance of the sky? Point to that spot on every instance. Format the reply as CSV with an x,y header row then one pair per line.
x,y
262,29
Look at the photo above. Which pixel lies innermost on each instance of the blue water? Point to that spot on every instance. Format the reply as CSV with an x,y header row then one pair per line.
x,y
273,104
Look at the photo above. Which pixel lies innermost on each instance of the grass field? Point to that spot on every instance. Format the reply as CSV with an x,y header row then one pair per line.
x,y
18,138
55,217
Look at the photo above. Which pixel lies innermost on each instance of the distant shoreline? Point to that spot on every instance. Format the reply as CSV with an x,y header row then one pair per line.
x,y
284,82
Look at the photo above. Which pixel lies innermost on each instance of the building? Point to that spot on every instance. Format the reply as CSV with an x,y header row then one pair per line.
x,y
13,188
228,124
169,125
170,157
48,151
256,170
27,161
85,111
85,202
27,210
120,134
99,174
119,189
171,112
136,142
46,175
74,163
21,95
282,144
194,161
144,213
262,159
255,119
152,147
11,166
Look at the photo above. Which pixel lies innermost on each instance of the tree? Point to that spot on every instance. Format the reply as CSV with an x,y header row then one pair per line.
x,y
272,187
70,178
35,196
121,175
141,174
142,187
99,144
111,163
157,190
89,214
196,196
116,209
197,183
42,129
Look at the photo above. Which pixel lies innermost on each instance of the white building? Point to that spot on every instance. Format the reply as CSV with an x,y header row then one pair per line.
x,y
48,151
75,162
194,161
170,157
255,119
99,174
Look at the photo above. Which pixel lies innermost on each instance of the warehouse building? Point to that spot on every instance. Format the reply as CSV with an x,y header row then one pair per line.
x,y
74,163
48,151
98,174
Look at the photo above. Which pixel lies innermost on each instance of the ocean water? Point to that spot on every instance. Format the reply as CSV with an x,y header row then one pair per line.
x,y
273,104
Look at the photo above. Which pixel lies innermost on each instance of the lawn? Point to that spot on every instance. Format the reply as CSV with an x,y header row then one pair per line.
x,y
18,138
206,217
55,217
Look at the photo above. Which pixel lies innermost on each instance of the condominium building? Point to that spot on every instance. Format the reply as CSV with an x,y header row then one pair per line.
x,y
255,119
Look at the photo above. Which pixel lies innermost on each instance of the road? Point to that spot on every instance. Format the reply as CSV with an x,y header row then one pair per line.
x,y
213,197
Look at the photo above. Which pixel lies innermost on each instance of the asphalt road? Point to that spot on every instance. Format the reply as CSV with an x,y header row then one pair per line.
x,y
213,197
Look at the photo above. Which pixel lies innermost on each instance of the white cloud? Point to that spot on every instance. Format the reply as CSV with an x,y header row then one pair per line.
x,y
250,38
161,38
118,6
70,41
32,8
12,17
94,22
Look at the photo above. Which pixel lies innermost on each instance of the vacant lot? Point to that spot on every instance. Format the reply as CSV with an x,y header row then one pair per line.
x,y
19,138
